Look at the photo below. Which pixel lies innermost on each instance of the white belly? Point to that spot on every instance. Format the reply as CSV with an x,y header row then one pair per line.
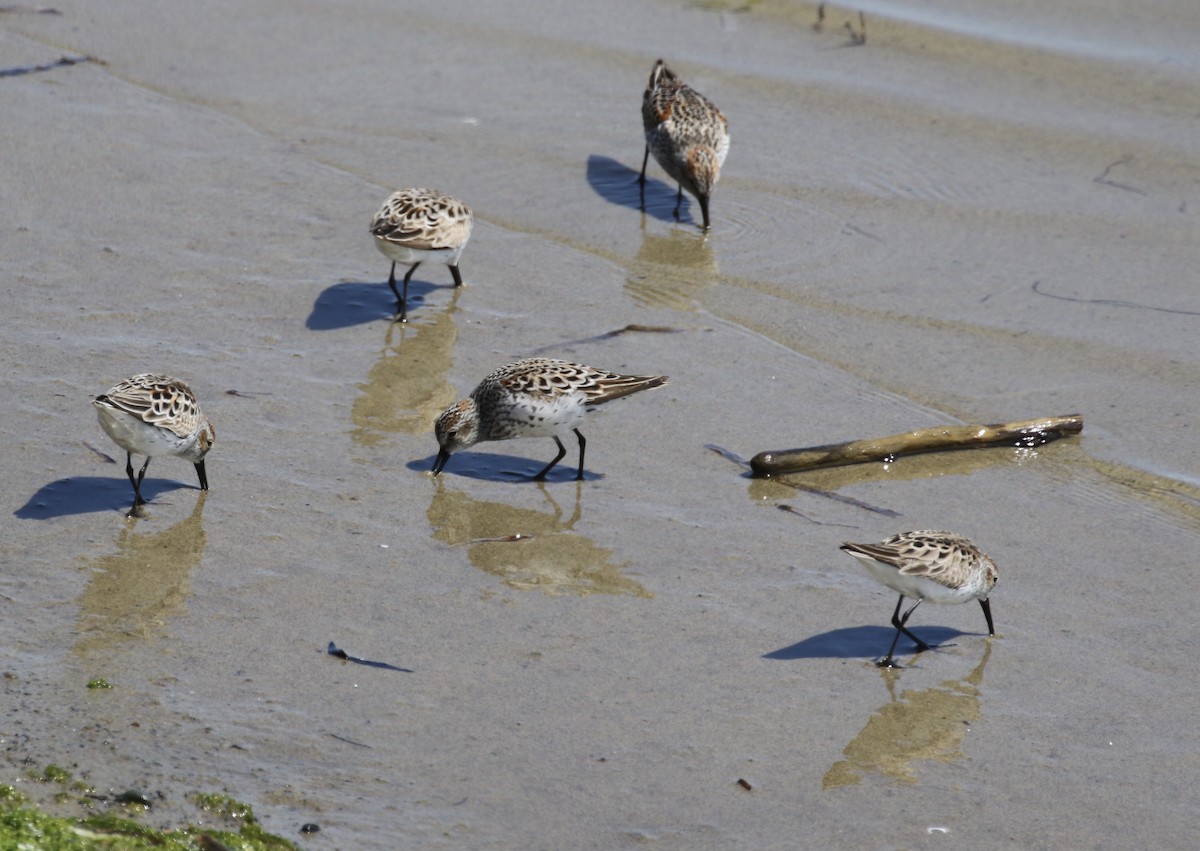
x,y
408,256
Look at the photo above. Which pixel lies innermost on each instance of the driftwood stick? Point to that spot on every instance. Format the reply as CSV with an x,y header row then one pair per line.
x,y
1023,433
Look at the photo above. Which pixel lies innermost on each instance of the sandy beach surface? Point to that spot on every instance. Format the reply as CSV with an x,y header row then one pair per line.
x,y
986,212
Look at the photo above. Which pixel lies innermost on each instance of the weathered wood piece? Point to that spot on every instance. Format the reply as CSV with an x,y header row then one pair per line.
x,y
935,439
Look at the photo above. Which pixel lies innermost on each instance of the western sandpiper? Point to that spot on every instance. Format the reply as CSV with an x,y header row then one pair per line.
x,y
941,567
687,135
155,415
415,225
536,397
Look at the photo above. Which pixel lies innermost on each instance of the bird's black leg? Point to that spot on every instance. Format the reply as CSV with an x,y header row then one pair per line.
x,y
642,179
392,284
921,645
582,447
142,475
562,450
678,201
137,484
402,316
899,622
887,661
457,277
129,472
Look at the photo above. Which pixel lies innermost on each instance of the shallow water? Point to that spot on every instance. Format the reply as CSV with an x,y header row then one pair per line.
x,y
987,212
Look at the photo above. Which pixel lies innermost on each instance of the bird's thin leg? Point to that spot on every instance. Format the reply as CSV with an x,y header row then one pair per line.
x,y
402,316
642,180
582,447
562,450
142,475
392,283
899,622
137,484
921,645
457,276
129,471
678,201
887,661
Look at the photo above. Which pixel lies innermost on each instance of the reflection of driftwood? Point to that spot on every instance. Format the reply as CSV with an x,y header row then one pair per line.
x,y
1024,433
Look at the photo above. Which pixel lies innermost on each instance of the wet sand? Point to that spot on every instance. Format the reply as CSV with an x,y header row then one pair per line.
x,y
984,213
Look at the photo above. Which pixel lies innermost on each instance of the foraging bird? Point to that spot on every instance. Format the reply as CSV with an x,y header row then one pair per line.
x,y
415,225
688,136
941,567
155,415
537,397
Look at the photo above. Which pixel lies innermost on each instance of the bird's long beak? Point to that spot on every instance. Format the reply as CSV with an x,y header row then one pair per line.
x,y
203,476
987,613
443,457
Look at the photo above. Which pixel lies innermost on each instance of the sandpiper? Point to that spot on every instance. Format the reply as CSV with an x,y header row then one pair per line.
x,y
415,225
688,136
155,415
537,397
940,567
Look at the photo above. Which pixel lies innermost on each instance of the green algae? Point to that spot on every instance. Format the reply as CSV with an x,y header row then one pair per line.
x,y
54,774
25,825
223,806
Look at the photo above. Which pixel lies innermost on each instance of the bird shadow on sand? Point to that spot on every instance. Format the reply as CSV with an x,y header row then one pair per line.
x,y
359,302
861,642
617,184
492,467
88,494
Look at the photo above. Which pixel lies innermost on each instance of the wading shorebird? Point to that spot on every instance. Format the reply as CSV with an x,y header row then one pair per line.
x,y
415,225
940,567
688,136
155,415
537,397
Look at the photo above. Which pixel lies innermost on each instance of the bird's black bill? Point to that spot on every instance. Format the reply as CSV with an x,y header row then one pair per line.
x,y
443,457
987,613
203,475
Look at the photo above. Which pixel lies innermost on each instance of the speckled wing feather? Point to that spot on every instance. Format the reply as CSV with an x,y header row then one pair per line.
x,y
943,557
676,118
158,400
423,219
547,377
